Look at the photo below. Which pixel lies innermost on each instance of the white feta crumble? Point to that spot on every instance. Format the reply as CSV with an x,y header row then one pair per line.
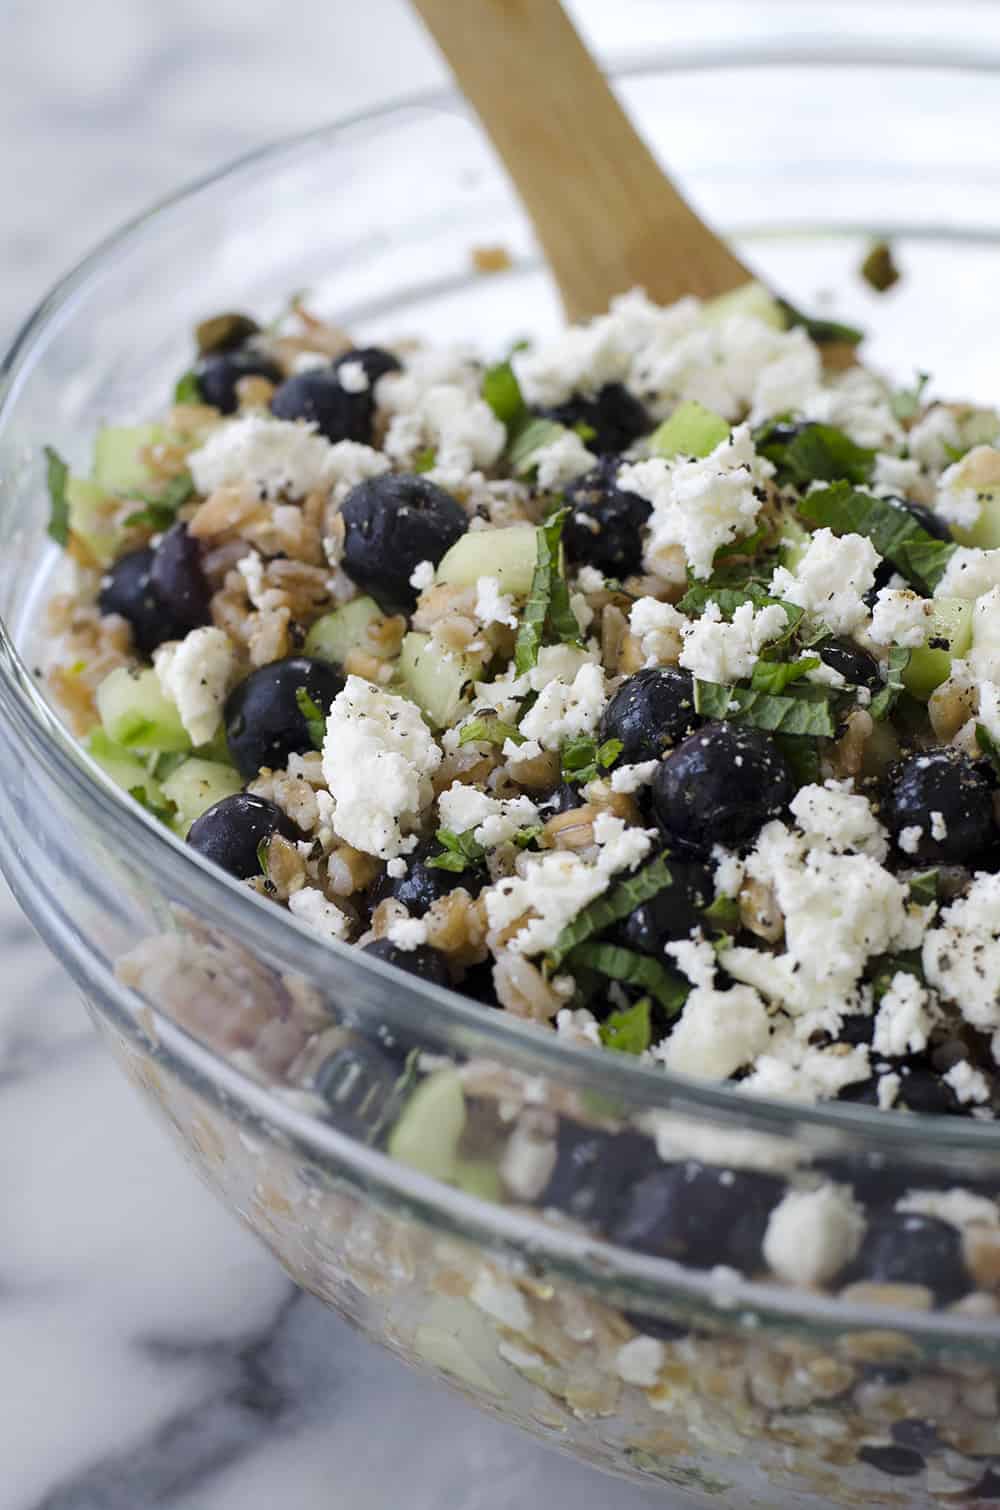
x,y
895,476
407,933
310,906
492,605
694,957
812,1234
520,754
658,627
888,1089
900,618
458,425
631,778
984,656
639,1362
989,709
961,956
251,569
352,377
493,820
905,1017
589,579
422,575
274,456
969,1084
717,1033
909,838
969,574
965,486
581,359
378,756
834,817
790,1070
959,1207
860,404
578,1026
562,461
827,676
396,868
562,711
729,872
831,579
939,827
933,436
194,673
717,651
700,505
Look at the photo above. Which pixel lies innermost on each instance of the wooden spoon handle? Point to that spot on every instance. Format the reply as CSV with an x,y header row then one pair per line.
x,y
605,213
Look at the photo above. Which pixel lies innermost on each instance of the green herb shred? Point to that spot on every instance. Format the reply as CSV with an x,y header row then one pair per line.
x,y
548,615
313,715
57,476
628,1031
632,969
187,389
458,851
615,904
809,712
893,531
883,702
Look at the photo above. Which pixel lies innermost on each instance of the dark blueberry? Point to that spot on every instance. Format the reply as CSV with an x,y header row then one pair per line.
x,y
904,1248
218,375
925,517
899,1462
671,913
919,1435
128,590
178,579
478,983
856,1027
394,522
358,1083
232,830
423,884
318,396
614,416
720,787
604,524
591,1168
940,782
988,1487
656,1326
921,1090
860,1092
884,573
650,712
375,360
855,665
426,963
699,1214
264,723
564,797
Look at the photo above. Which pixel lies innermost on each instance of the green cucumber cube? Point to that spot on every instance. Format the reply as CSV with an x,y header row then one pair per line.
x,y
428,1133
435,681
692,430
949,635
986,531
125,769
336,634
91,516
750,299
136,714
118,467
508,554
196,785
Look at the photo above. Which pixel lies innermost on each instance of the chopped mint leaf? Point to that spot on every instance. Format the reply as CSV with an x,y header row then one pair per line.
x,y
530,439
425,459
802,756
815,453
262,855
883,702
893,531
502,392
808,713
164,811
56,477
728,599
187,389
823,332
885,966
491,730
775,676
586,432
616,903
724,914
313,715
525,837
692,430
628,1031
924,887
161,508
458,851
989,746
665,986
548,616
582,759
906,402
879,269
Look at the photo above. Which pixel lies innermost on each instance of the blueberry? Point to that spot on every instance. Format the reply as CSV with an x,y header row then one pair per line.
x,y
230,832
653,709
394,522
317,395
604,524
671,913
219,373
920,1436
856,666
925,517
935,788
375,360
128,590
178,579
358,1083
565,797
657,1326
905,1248
720,787
898,1462
264,723
920,1090
591,1167
699,1214
423,884
478,984
426,963
615,417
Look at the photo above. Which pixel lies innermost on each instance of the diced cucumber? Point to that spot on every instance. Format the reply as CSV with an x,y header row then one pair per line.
x,y
949,635
692,430
125,769
751,299
118,467
509,554
795,540
523,454
91,518
986,531
478,1177
196,785
333,636
434,680
427,1135
135,713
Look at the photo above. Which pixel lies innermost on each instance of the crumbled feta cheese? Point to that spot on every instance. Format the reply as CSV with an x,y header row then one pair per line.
x,y
195,673
352,377
961,956
562,461
969,574
422,575
378,756
939,827
933,436
959,1207
812,1234
589,579
729,872
630,778
900,618
969,1084
310,906
458,425
984,657
562,711
639,1362
528,1160
964,488
888,1089
989,709
494,820
581,359
831,579
833,817
251,569
791,1070
717,1033
909,838
492,605
407,933
396,868
700,505
827,676
658,626
894,476
501,1299
716,651
694,957
860,404
277,456
904,1019
579,1026
520,754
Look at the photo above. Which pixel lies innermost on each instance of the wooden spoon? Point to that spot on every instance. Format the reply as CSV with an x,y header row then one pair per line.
x,y
607,216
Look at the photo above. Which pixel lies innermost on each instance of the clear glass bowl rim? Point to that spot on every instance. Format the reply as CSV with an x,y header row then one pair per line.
x,y
289,944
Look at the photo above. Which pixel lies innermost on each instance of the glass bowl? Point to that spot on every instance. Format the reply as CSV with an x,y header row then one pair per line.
x,y
718,1382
